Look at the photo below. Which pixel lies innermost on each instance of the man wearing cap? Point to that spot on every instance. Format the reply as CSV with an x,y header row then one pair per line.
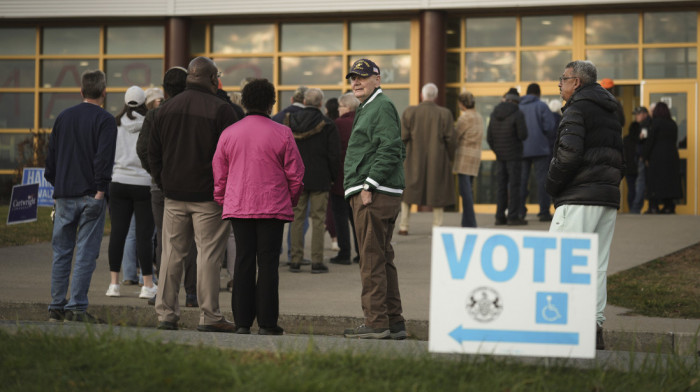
x,y
505,135
587,168
185,133
79,162
174,82
374,183
635,171
428,132
608,84
537,149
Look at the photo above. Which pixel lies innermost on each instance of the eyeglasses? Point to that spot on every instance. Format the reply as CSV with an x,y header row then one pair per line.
x,y
563,78
218,74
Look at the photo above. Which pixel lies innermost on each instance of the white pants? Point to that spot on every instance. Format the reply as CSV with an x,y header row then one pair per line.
x,y
590,219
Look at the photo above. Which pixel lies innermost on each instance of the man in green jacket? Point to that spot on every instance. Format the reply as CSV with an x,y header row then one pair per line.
x,y
374,183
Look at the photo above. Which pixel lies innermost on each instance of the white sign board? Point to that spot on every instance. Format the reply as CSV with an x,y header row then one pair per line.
x,y
513,292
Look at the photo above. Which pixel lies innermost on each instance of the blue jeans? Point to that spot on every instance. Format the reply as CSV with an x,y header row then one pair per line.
x,y
79,224
465,190
541,164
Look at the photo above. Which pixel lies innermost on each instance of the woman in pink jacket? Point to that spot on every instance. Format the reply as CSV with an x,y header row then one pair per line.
x,y
258,176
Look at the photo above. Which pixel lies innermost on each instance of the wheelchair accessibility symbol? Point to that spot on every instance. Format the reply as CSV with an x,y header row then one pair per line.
x,y
551,308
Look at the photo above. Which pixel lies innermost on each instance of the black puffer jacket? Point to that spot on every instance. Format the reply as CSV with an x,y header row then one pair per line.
x,y
588,162
319,145
506,131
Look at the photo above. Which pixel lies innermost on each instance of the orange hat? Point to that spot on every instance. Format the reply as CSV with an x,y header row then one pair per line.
x,y
607,83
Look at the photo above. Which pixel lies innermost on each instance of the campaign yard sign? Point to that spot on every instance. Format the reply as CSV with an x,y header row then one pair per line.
x,y
23,204
513,292
35,175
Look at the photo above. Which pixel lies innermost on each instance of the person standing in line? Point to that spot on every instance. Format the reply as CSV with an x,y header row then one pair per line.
x,y
537,151
79,162
319,145
257,180
505,134
640,127
428,132
347,104
587,168
663,162
130,194
469,135
174,82
374,182
185,133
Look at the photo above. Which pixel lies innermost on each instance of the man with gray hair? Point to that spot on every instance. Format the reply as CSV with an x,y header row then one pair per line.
x,y
587,168
319,145
428,132
297,103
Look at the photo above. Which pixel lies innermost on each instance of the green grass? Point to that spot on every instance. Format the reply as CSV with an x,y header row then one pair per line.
x,y
666,287
30,233
34,361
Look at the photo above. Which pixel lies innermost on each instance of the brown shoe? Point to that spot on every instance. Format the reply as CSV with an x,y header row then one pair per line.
x,y
403,232
222,326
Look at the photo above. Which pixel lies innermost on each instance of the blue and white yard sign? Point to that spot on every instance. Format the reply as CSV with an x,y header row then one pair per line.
x,y
513,292
23,206
35,175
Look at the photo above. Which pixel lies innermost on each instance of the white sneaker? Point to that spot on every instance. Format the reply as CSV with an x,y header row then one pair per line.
x,y
148,292
113,290
334,246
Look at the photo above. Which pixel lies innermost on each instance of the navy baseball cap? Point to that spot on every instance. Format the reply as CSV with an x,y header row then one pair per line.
x,y
364,68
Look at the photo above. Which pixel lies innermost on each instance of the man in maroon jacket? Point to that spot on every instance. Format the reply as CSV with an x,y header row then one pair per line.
x,y
347,104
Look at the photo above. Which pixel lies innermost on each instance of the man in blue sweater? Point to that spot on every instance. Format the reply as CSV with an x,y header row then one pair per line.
x,y
79,166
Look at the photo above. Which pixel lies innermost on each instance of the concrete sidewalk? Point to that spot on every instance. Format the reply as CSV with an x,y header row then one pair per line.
x,y
328,303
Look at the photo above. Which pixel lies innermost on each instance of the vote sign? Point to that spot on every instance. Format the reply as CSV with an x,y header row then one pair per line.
x,y
35,175
513,292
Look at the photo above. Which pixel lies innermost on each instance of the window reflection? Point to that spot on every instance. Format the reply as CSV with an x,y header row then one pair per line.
x,y
671,63
135,40
380,35
311,37
486,183
16,110
482,32
615,63
236,70
311,70
64,73
17,41
543,64
547,30
452,33
452,65
485,106
670,27
399,97
71,40
490,67
393,68
252,38
612,29
197,37
16,73
678,105
52,104
8,150
139,72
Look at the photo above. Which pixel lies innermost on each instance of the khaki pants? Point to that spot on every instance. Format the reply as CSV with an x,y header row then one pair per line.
x,y
438,216
180,219
374,226
318,202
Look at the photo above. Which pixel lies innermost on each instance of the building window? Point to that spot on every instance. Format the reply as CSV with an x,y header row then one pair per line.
x,y
546,30
607,29
670,27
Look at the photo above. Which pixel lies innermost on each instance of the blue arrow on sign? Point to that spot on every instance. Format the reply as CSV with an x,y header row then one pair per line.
x,y
505,336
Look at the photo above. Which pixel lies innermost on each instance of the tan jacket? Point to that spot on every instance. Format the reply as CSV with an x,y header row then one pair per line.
x,y
470,131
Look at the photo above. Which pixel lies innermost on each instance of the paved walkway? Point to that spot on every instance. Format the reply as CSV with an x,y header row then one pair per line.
x,y
326,303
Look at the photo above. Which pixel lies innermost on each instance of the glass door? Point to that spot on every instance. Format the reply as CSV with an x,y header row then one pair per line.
x,y
681,98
